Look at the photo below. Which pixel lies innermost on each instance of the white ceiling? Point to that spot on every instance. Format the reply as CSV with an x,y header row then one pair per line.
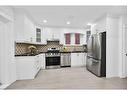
x,y
79,16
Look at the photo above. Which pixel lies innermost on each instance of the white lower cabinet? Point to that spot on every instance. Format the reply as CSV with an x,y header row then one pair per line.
x,y
37,63
42,60
27,66
78,59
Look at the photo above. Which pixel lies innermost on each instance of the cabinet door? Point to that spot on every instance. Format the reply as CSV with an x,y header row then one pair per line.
x,y
62,60
67,59
77,59
29,30
42,61
74,59
82,39
43,36
82,59
36,64
19,28
26,67
38,35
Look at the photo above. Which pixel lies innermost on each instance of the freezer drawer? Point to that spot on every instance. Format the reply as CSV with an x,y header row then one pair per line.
x,y
96,67
93,66
89,63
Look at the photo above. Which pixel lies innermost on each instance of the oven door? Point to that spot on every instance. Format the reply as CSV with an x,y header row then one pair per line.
x,y
52,60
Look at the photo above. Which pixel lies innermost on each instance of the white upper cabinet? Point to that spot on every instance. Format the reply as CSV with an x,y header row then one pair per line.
x,y
38,34
19,27
25,29
43,36
29,30
83,39
60,34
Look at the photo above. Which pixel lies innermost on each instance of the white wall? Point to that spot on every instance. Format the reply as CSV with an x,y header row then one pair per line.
x,y
7,62
122,46
7,12
112,46
99,25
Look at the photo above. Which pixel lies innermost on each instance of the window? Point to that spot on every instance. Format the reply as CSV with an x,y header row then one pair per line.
x,y
67,38
77,38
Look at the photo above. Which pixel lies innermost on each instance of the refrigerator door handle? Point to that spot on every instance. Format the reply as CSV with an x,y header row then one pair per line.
x,y
96,61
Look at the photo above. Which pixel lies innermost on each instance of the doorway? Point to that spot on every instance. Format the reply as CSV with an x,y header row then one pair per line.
x,y
125,49
3,51
1,30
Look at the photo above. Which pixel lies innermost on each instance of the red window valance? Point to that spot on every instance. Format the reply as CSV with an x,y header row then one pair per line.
x,y
68,38
77,38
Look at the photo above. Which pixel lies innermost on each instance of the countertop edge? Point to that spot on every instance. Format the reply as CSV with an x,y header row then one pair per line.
x,y
46,52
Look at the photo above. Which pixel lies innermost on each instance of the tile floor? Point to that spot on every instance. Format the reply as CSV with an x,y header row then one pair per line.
x,y
69,78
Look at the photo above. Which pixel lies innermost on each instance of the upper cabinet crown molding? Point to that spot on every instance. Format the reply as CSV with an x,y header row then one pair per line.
x,y
4,17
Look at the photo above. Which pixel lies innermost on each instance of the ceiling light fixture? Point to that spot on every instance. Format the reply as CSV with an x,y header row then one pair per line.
x,y
68,22
44,21
89,24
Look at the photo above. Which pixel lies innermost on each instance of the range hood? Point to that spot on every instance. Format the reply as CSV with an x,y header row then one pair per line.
x,y
53,39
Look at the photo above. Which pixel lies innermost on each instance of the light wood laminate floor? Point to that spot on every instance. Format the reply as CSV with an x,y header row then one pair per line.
x,y
69,78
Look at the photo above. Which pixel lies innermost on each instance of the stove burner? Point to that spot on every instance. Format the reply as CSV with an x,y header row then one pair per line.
x,y
53,52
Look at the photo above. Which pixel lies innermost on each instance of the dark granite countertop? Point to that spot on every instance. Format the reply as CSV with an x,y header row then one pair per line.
x,y
78,52
27,54
74,52
64,52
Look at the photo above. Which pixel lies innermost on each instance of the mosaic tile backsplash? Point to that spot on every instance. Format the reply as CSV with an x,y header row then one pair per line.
x,y
21,48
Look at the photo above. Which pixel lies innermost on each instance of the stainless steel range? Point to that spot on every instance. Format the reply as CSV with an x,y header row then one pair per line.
x,y
52,58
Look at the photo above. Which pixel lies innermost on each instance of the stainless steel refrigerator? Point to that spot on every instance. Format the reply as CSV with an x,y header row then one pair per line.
x,y
96,54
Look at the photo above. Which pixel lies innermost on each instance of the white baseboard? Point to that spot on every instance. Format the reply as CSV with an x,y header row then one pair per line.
x,y
3,86
123,76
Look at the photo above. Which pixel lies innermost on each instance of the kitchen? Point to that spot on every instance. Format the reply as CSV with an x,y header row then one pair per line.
x,y
49,44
